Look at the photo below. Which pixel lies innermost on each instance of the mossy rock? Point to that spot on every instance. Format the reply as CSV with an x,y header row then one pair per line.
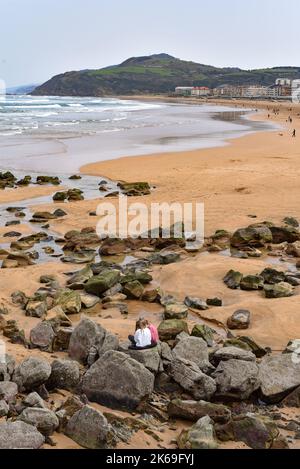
x,y
204,332
103,282
133,290
169,329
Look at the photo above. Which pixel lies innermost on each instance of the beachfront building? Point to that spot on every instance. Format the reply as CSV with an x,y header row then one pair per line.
x,y
228,91
295,85
200,91
296,90
184,90
256,91
283,82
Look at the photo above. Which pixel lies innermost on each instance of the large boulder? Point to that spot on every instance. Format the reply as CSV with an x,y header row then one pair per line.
x,y
189,376
31,373
193,349
89,341
65,374
199,436
254,236
233,353
236,379
171,328
102,282
118,381
279,376
176,311
89,428
44,420
69,301
194,410
133,290
255,431
150,358
20,435
42,336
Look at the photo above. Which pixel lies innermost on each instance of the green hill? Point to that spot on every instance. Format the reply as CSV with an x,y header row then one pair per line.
x,y
159,73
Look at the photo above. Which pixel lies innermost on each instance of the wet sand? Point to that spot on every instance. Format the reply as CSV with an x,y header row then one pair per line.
x,y
255,175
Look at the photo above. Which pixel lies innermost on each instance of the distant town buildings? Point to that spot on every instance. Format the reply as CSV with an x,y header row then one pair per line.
x,y
184,90
283,88
201,91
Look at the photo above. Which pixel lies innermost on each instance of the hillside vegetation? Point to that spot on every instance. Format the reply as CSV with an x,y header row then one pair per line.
x,y
159,73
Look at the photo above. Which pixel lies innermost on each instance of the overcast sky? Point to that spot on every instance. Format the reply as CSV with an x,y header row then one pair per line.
x,y
41,38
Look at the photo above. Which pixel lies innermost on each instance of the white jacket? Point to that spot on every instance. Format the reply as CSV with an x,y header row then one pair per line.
x,y
142,337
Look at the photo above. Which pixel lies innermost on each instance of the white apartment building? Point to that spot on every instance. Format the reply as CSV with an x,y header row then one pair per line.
x,y
283,82
256,91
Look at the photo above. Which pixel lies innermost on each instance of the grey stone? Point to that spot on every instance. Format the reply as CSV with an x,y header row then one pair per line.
x,y
195,303
31,373
189,376
193,349
36,309
118,381
7,367
4,408
176,311
90,338
280,290
8,391
69,301
236,379
279,376
150,358
233,353
65,374
199,436
194,410
20,435
44,420
42,336
239,320
89,428
34,400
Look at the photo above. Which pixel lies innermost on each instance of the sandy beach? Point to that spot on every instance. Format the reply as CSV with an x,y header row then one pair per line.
x,y
253,176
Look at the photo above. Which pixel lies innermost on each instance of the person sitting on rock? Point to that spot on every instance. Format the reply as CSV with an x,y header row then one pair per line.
x,y
142,338
154,333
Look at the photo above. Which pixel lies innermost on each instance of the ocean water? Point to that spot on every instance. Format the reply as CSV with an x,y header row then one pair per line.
x,y
36,115
61,134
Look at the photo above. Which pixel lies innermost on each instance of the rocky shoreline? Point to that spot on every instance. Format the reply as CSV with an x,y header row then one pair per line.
x,y
205,385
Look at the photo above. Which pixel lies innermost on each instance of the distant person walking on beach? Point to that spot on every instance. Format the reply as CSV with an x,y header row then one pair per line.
x,y
294,133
